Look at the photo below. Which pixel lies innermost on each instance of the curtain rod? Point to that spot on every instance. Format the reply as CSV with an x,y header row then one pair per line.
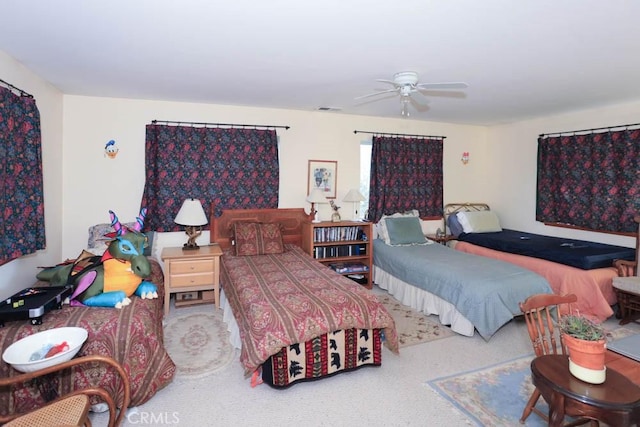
x,y
398,134
608,128
217,124
12,87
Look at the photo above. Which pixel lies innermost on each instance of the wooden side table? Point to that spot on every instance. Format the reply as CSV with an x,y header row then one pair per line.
x,y
192,270
615,402
441,239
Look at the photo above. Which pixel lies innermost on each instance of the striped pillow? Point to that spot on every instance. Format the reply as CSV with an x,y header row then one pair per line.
x,y
252,238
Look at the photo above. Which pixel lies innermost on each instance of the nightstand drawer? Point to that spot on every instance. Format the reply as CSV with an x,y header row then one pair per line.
x,y
184,280
192,266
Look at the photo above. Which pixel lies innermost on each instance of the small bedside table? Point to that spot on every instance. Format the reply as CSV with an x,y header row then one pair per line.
x,y
191,270
441,239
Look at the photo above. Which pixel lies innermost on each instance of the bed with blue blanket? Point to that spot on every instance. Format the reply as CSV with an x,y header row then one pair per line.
x,y
469,292
575,253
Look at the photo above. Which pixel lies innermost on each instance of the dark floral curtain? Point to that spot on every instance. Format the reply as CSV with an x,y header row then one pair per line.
x,y
406,173
21,196
590,181
235,168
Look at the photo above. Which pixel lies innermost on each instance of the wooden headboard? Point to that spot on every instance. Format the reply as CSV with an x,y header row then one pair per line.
x,y
290,218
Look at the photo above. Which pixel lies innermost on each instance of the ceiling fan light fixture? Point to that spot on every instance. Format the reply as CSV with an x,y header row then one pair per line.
x,y
405,106
404,78
406,84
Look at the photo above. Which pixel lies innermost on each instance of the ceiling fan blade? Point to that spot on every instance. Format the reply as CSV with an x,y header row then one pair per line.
x,y
376,93
450,85
386,81
423,98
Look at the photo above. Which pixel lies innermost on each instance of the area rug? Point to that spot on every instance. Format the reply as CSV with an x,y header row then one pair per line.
x,y
198,343
497,394
413,327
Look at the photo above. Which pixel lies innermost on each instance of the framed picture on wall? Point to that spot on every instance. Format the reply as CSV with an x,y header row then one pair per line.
x,y
323,174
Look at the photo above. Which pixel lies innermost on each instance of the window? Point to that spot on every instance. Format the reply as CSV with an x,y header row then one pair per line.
x,y
232,168
590,181
406,174
365,176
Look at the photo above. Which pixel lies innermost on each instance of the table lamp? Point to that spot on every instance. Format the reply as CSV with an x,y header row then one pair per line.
x,y
192,216
355,197
316,196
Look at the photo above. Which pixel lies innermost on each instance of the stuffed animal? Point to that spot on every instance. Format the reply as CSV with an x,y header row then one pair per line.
x,y
108,280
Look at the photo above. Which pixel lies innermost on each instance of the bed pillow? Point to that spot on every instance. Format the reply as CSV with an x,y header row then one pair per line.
x,y
97,242
455,228
252,238
405,231
381,227
479,222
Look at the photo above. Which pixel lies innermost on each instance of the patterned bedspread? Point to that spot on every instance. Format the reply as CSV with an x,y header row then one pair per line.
x,y
289,298
132,336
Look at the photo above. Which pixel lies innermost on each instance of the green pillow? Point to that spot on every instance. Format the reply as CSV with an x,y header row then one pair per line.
x,y
405,231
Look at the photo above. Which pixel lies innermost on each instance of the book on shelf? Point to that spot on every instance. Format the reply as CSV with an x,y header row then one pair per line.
x,y
337,234
349,267
359,278
339,251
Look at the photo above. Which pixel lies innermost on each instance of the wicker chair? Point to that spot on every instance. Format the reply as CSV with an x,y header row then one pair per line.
x,y
71,409
627,286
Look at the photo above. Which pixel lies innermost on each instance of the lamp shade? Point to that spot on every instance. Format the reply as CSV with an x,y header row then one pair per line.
x,y
353,196
317,196
191,213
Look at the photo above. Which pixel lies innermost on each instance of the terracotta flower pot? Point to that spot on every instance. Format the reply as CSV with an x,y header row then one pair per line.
x,y
586,359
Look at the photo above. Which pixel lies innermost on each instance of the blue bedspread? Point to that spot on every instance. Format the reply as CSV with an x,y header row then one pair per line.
x,y
485,291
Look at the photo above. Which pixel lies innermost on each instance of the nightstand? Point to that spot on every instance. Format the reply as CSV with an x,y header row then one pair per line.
x,y
195,272
441,239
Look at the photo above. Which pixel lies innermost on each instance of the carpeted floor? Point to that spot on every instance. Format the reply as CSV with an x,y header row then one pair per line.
x,y
413,327
399,392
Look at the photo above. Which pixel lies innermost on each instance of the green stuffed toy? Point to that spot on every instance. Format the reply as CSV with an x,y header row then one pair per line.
x,y
108,280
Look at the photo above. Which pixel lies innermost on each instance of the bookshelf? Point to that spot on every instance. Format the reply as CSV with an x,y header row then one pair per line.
x,y
344,246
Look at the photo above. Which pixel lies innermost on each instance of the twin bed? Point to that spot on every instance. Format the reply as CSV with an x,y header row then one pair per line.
x,y
467,292
570,266
480,290
293,318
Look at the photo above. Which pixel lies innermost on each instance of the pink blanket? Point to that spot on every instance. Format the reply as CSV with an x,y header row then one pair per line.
x,y
592,287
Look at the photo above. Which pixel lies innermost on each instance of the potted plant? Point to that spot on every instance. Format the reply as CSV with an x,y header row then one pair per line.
x,y
585,340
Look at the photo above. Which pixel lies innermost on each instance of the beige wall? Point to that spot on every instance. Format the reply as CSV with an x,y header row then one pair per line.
x,y
82,185
20,273
93,184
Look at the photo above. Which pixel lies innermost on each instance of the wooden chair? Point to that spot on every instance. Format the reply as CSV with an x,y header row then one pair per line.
x,y
541,315
72,408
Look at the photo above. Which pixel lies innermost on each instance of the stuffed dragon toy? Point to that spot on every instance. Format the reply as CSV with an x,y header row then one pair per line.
x,y
108,280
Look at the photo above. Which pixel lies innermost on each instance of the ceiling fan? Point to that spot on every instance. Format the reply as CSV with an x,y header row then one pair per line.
x,y
405,84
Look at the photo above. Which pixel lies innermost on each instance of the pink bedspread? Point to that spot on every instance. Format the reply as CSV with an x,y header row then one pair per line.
x,y
289,298
592,287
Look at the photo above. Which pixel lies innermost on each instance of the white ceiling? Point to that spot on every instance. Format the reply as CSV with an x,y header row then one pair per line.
x,y
521,59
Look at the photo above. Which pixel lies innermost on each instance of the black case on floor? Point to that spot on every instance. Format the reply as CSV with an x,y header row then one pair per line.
x,y
32,303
